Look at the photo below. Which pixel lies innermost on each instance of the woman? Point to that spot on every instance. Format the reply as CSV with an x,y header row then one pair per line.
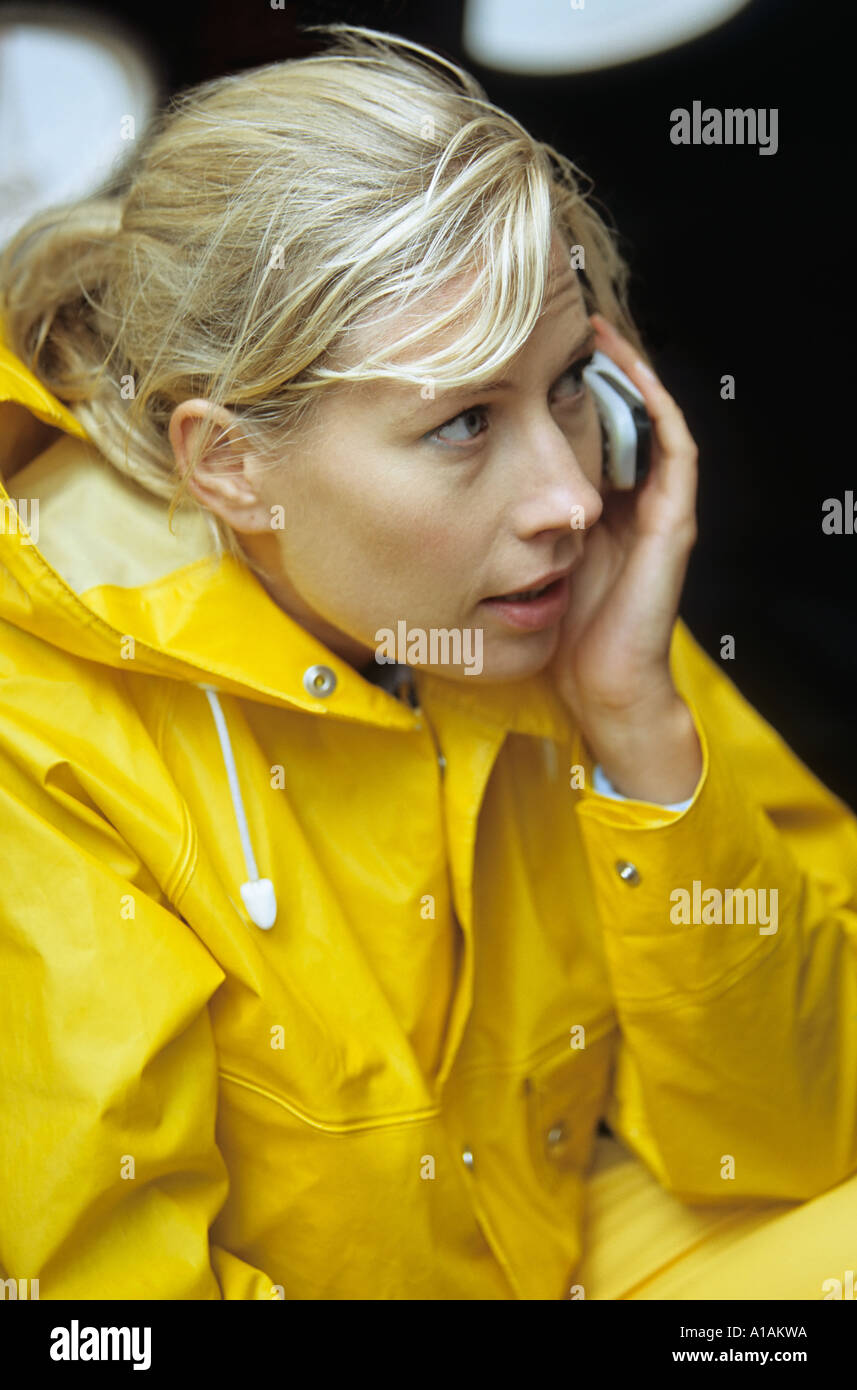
x,y
326,954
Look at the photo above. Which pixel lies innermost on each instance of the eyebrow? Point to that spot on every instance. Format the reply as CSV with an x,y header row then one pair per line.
x,y
459,392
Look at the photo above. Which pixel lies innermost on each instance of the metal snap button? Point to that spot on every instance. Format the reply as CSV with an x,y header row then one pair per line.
x,y
319,681
556,1134
627,872
467,1158
441,762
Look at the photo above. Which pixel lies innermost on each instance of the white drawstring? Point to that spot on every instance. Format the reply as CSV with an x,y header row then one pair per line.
x,y
258,893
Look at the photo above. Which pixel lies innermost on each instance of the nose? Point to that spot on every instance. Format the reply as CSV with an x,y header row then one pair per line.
x,y
555,493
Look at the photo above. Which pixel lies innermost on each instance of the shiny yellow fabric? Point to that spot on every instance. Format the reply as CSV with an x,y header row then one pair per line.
x,y
191,1107
19,385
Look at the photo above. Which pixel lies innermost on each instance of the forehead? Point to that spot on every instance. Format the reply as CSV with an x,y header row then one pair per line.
x,y
564,292
563,299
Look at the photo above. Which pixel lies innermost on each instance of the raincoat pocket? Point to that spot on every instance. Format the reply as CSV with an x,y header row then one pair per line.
x,y
565,1100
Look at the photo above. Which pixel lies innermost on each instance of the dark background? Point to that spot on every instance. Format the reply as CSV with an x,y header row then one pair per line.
x,y
741,264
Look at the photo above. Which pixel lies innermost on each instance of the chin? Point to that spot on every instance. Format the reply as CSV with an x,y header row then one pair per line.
x,y
508,659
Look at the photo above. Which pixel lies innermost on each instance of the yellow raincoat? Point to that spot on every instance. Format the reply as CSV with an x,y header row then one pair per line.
x,y
394,1091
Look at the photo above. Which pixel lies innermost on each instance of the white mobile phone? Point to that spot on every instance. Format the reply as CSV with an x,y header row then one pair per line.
x,y
626,428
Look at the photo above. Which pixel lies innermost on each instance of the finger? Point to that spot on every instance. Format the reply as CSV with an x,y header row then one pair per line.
x,y
675,478
648,591
653,577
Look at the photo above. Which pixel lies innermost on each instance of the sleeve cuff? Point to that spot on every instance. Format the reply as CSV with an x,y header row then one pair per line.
x,y
604,787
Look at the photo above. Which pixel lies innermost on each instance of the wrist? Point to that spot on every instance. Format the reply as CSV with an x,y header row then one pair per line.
x,y
659,761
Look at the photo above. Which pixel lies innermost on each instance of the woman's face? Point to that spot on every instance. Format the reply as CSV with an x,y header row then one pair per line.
x,y
402,510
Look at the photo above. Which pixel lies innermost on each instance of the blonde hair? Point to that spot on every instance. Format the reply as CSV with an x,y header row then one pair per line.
x,y
264,217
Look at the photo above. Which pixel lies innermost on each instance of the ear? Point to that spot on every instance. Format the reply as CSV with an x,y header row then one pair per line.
x,y
225,479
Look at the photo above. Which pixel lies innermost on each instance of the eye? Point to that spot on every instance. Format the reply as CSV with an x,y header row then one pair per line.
x,y
475,414
470,423
574,375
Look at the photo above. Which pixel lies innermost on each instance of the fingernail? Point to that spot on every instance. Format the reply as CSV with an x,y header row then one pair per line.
x,y
647,371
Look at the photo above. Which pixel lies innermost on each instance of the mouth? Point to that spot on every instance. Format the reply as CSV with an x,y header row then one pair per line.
x,y
532,609
535,591
524,595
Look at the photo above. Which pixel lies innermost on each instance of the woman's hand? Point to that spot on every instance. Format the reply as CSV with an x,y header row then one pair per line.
x,y
612,661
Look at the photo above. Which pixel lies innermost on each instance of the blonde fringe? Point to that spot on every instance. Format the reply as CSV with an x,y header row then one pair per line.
x,y
268,215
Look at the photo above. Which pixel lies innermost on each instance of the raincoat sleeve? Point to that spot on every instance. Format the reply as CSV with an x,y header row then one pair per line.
x,y
109,1171
736,1071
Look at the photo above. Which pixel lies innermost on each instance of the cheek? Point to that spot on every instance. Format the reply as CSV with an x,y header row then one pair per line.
x,y
377,521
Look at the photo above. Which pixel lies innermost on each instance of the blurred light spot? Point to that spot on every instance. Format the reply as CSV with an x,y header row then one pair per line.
x,y
550,36
67,89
